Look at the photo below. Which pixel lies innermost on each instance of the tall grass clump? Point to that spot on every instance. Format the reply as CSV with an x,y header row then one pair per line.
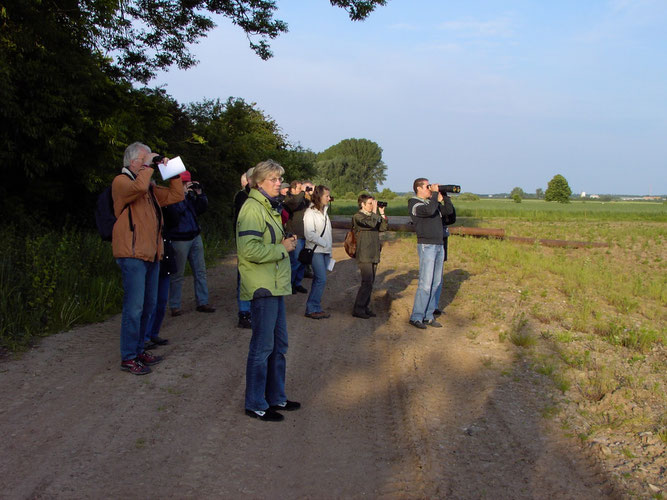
x,y
53,280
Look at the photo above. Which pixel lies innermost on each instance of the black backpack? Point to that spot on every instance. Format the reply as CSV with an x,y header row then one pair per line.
x,y
104,214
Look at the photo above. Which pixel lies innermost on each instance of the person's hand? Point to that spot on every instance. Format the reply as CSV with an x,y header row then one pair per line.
x,y
148,159
289,243
440,197
381,210
434,187
374,206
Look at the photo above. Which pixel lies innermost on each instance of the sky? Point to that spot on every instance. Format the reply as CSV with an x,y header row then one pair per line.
x,y
487,94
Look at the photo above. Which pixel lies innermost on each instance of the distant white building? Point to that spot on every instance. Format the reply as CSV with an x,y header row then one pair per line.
x,y
594,196
583,194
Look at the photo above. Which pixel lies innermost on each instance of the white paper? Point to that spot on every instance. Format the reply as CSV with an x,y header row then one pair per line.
x,y
331,264
173,167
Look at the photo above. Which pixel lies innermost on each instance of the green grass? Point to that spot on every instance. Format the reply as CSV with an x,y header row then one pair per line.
x,y
533,210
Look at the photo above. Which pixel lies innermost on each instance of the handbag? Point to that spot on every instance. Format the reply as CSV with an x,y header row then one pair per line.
x,y
350,243
306,254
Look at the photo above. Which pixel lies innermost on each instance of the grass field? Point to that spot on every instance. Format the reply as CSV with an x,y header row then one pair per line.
x,y
535,210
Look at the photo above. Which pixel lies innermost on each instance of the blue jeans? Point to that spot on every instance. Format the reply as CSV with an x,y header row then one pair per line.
x,y
320,262
155,321
192,251
265,370
431,258
244,305
297,267
140,283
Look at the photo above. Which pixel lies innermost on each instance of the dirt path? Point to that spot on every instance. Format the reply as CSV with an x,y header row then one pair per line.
x,y
389,411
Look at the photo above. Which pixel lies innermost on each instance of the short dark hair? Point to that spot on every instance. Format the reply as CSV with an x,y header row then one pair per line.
x,y
418,182
363,198
316,197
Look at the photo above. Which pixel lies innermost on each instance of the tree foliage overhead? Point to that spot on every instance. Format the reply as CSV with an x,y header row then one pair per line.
x,y
351,165
143,36
558,190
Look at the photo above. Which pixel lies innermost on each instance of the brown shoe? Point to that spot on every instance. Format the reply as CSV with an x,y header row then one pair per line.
x,y
205,309
176,312
318,315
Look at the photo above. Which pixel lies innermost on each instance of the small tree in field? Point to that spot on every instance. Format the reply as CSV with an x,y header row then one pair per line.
x,y
516,197
558,190
539,193
517,191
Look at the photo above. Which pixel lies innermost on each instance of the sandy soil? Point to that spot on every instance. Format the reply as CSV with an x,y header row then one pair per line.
x,y
389,411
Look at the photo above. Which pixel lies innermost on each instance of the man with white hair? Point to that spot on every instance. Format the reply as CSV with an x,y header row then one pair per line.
x,y
137,247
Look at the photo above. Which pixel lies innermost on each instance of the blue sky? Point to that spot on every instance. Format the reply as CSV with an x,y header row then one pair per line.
x,y
487,94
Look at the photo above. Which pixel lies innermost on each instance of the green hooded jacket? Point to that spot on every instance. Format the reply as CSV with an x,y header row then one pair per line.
x,y
263,261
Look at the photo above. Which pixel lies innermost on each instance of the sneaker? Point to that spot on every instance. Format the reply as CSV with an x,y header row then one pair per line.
x,y
317,315
362,315
205,309
268,415
433,323
149,359
286,406
244,321
418,324
175,311
135,367
300,289
437,312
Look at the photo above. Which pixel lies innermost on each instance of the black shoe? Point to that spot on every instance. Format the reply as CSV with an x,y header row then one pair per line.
x,y
361,315
437,312
205,309
286,406
267,415
371,313
418,324
159,341
433,323
244,321
299,289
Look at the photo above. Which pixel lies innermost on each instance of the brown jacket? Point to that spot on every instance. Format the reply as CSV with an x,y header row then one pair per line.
x,y
144,240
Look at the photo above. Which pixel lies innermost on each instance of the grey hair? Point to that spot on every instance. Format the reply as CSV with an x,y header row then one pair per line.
x,y
248,176
265,168
132,152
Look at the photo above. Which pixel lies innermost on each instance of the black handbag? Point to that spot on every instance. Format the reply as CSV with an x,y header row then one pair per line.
x,y
306,254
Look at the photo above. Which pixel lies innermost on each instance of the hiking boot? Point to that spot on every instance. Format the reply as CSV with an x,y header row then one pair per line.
x,y
362,315
418,324
267,415
433,323
135,367
371,313
159,341
244,321
437,312
205,309
175,311
149,359
300,289
286,406
317,315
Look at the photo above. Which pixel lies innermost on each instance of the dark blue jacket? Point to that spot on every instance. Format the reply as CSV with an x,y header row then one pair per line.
x,y
181,218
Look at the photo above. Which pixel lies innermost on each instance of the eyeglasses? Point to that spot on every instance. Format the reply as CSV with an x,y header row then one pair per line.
x,y
276,180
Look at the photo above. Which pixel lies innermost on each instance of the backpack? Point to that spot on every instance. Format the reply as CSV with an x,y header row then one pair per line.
x,y
104,214
350,243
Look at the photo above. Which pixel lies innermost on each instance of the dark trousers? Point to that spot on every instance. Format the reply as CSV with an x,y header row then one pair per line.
x,y
363,301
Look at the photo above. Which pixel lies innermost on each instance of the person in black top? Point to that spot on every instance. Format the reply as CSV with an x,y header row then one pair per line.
x,y
239,199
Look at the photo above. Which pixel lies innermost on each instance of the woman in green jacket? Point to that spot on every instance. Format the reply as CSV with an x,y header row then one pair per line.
x,y
367,224
266,277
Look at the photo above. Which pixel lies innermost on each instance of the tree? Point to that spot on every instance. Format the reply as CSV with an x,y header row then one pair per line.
x,y
539,193
149,35
558,190
516,197
518,192
351,165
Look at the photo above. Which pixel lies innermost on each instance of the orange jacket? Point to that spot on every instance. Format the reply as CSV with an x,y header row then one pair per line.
x,y
144,240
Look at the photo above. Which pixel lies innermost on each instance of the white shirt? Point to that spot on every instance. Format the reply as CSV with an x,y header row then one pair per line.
x,y
314,222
